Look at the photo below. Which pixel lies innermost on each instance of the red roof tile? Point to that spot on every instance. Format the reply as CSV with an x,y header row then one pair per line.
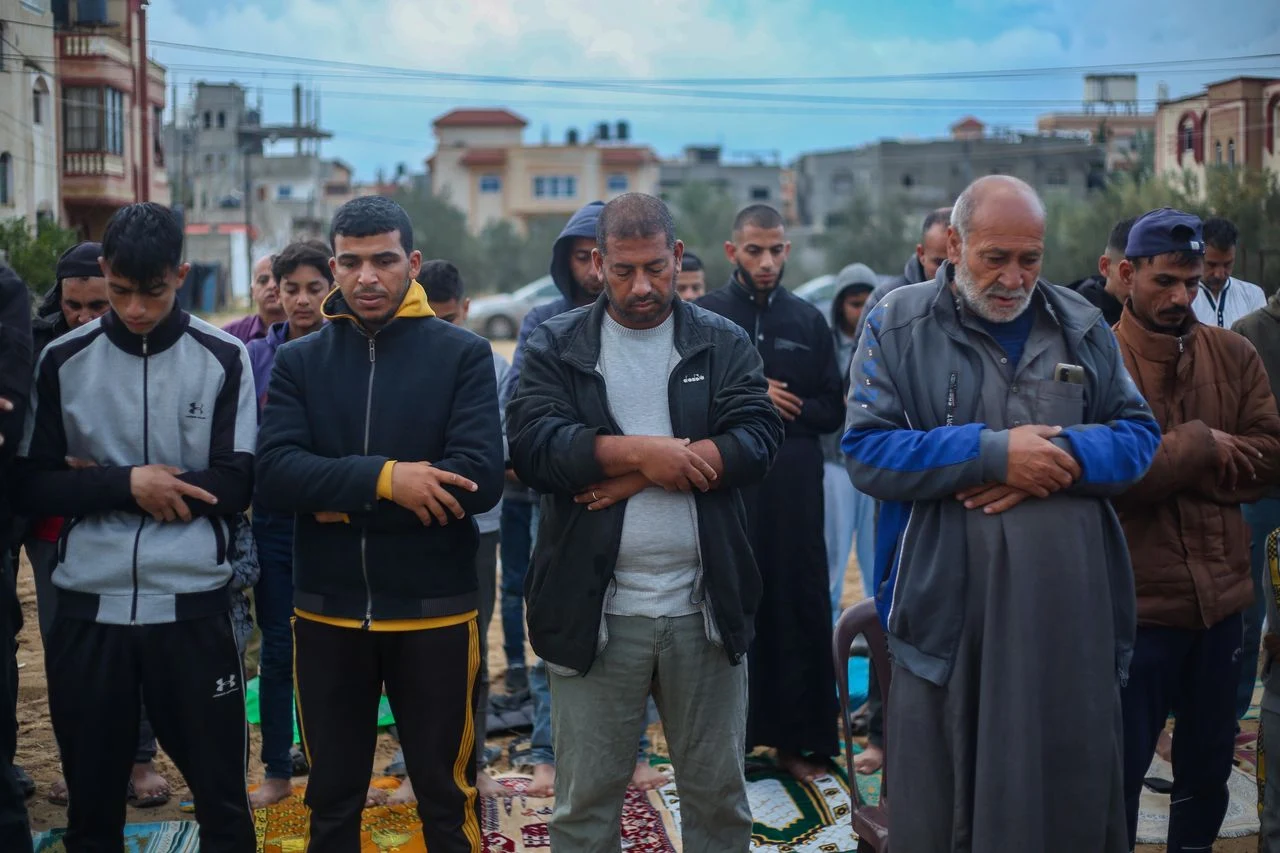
x,y
480,118
485,157
626,156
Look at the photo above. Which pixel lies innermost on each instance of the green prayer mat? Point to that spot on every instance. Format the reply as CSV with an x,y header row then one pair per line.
x,y
254,714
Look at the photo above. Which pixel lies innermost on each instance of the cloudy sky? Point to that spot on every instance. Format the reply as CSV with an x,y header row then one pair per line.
x,y
674,68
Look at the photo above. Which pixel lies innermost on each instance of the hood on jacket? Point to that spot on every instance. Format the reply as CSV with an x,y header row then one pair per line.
x,y
414,304
913,271
855,278
1273,305
581,224
1094,289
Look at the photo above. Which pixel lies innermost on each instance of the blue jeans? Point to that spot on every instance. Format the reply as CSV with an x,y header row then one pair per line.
x,y
849,519
1262,517
273,601
516,529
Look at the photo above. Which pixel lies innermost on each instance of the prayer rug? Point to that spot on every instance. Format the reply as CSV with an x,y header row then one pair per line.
x,y
1242,809
179,836
790,816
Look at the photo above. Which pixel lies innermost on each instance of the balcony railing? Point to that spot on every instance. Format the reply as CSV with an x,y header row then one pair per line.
x,y
93,46
92,164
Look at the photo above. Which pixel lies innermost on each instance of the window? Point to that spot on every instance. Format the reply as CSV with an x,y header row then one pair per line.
x,y
908,181
284,192
555,186
36,6
616,183
1231,152
222,119
1217,152
39,97
759,193
93,119
490,183
842,183
1188,132
222,161
6,179
157,135
208,119
208,162
1056,177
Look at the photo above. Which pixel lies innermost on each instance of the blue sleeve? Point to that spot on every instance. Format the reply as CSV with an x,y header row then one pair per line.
x,y
1115,451
889,458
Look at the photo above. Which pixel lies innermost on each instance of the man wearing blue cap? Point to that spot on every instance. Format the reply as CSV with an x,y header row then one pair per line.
x,y
1187,538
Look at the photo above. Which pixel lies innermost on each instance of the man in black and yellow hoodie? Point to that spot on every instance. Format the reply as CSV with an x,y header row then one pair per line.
x,y
381,434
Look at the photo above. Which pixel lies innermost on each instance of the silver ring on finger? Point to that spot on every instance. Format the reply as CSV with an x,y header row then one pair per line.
x,y
594,496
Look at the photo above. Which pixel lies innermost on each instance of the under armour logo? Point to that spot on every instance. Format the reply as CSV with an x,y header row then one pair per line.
x,y
225,686
195,410
694,377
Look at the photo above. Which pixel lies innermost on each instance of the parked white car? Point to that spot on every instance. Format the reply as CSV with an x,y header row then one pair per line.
x,y
499,316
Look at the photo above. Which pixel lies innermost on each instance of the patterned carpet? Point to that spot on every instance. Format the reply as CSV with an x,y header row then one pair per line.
x,y
789,816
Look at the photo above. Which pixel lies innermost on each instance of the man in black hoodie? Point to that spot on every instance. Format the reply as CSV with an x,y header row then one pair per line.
x,y
1106,290
381,435
791,676
15,386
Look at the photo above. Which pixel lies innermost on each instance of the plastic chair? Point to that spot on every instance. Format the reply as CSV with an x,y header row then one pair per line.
x,y
870,823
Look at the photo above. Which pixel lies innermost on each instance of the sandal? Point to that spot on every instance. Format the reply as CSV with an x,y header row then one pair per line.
x,y
153,800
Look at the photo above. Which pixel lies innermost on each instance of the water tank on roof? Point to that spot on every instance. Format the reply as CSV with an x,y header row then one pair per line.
x,y
571,138
90,12
602,131
624,131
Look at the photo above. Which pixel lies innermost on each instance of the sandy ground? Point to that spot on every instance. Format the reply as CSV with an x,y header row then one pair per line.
x,y
37,752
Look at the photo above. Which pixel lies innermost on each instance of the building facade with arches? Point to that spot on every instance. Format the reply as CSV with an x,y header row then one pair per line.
x,y
1234,123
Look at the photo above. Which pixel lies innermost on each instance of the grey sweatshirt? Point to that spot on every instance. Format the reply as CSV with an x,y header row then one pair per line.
x,y
658,559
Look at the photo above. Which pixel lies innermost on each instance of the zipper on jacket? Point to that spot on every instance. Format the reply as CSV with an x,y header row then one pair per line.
x,y
1180,348
146,460
364,535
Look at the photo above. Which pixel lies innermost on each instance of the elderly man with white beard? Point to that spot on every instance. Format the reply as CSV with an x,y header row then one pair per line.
x,y
991,414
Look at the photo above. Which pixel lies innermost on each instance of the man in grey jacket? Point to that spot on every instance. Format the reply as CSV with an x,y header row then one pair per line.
x,y
923,264
143,570
991,414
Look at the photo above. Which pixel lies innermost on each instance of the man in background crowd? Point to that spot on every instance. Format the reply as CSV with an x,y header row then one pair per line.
x,y
930,252
1107,290
791,675
15,386
264,293
691,281
1222,298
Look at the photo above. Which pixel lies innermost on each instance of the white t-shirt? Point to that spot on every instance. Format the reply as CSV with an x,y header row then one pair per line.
x,y
1237,299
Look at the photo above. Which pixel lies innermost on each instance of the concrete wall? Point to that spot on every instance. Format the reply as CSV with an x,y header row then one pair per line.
x,y
35,167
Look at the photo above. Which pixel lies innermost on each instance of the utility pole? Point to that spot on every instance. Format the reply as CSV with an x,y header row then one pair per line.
x,y
248,212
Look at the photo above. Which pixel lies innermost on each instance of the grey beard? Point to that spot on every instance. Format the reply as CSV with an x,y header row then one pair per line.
x,y
975,299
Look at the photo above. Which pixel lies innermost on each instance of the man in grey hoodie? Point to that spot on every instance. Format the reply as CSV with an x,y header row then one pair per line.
x,y
991,414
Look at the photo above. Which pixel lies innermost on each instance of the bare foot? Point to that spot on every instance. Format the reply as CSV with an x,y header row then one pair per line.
x,y
148,788
58,792
1164,746
402,795
544,781
375,797
647,777
869,760
803,769
491,788
270,792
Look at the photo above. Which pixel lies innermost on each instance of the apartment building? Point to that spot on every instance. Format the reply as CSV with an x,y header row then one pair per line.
x,y
1231,123
29,163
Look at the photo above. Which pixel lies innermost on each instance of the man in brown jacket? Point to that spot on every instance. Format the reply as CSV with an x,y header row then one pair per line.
x,y
1189,545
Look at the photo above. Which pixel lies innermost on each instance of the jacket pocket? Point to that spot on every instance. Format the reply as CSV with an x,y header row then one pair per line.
x,y
64,536
1059,403
219,538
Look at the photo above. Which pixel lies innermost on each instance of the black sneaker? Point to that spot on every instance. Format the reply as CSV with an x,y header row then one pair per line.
x,y
299,758
517,680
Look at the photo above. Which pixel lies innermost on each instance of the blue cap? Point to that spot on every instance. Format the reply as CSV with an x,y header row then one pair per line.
x,y
1163,231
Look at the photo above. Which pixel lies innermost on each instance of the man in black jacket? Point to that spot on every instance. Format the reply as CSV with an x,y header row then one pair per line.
x,y
642,416
1106,290
381,434
15,386
923,264
793,688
